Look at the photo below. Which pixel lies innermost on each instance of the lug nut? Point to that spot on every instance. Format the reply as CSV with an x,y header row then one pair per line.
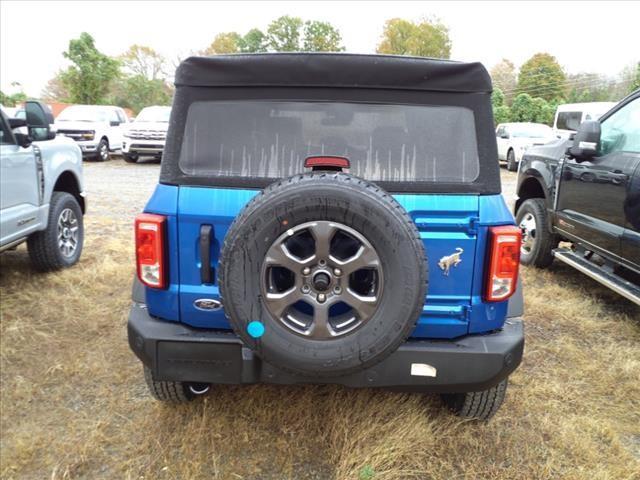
x,y
306,289
337,289
321,297
306,271
337,272
322,262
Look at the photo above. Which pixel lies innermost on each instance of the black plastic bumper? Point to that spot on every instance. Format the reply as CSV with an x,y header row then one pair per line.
x,y
176,352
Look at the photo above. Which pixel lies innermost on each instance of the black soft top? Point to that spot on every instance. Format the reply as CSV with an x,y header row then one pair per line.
x,y
333,70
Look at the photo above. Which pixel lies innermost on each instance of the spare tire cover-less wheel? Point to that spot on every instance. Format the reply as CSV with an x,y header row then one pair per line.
x,y
330,268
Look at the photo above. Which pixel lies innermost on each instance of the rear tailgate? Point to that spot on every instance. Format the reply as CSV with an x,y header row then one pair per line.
x,y
445,222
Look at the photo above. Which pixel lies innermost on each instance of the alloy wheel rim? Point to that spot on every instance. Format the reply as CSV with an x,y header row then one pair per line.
x,y
104,152
324,291
68,228
528,228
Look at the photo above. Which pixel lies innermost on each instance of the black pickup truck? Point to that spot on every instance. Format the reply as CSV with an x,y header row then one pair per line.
x,y
585,191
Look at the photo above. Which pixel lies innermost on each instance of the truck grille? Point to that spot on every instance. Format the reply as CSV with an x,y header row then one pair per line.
x,y
147,134
77,134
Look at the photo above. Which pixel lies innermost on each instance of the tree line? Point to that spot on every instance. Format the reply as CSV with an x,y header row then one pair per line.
x,y
141,76
533,93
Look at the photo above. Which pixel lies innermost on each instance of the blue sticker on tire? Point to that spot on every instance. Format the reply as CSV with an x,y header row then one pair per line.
x,y
255,329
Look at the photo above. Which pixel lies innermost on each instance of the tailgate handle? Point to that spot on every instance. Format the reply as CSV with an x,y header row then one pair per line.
x,y
206,275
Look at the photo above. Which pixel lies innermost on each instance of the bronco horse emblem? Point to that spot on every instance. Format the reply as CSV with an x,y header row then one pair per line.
x,y
448,261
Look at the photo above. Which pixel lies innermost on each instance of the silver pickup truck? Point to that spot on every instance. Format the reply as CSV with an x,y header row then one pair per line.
x,y
42,197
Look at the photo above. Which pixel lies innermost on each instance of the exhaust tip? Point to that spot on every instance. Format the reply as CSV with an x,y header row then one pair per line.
x,y
199,388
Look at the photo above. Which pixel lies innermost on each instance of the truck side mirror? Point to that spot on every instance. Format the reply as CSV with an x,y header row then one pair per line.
x,y
39,119
23,139
586,141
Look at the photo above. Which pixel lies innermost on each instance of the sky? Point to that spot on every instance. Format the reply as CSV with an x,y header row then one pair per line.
x,y
601,37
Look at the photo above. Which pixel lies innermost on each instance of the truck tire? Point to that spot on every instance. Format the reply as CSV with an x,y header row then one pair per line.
x,y
512,165
102,152
477,405
60,245
130,158
323,274
170,392
537,240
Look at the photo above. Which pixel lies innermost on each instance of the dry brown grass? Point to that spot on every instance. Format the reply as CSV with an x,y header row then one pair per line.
x,y
74,404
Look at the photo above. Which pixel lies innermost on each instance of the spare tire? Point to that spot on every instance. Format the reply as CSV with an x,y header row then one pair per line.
x,y
323,274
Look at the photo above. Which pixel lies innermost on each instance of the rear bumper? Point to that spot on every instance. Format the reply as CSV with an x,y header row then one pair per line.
x,y
176,352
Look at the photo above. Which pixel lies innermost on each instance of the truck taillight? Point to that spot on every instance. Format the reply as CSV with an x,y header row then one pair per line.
x,y
504,260
150,250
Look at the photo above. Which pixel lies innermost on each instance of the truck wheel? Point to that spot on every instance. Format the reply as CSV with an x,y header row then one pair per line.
x,y
537,240
102,154
477,405
512,165
323,274
60,245
170,392
129,157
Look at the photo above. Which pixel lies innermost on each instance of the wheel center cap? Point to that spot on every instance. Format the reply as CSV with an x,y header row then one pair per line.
x,y
321,281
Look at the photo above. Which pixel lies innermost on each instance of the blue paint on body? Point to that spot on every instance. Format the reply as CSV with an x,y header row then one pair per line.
x,y
454,305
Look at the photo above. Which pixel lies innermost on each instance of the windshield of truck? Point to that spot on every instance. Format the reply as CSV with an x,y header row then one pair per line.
x,y
383,142
83,113
531,131
154,114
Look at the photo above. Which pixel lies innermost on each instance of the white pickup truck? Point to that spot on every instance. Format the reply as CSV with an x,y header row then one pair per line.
x,y
96,128
42,197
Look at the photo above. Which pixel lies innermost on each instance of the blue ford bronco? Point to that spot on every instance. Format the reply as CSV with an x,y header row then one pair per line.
x,y
329,219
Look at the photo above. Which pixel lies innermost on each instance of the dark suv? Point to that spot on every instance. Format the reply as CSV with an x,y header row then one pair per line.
x,y
329,218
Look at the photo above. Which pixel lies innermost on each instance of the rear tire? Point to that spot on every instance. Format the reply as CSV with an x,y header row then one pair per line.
x,y
169,392
477,405
537,240
130,158
512,165
58,246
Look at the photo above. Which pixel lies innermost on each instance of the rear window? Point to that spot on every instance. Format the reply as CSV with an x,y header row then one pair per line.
x,y
569,120
271,139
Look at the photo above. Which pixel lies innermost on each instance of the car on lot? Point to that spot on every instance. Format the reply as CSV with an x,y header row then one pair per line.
x,y
96,128
569,116
145,136
329,219
586,192
514,139
42,198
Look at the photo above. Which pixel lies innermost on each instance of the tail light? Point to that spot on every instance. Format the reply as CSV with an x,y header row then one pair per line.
x,y
150,250
504,261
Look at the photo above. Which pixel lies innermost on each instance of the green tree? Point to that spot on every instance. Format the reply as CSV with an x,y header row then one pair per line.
x,y
137,91
503,76
253,41
429,38
145,61
522,108
501,112
589,87
89,78
284,34
321,37
14,99
636,80
542,76
227,42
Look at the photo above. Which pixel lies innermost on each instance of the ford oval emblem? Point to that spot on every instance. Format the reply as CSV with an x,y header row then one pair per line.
x,y
207,304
